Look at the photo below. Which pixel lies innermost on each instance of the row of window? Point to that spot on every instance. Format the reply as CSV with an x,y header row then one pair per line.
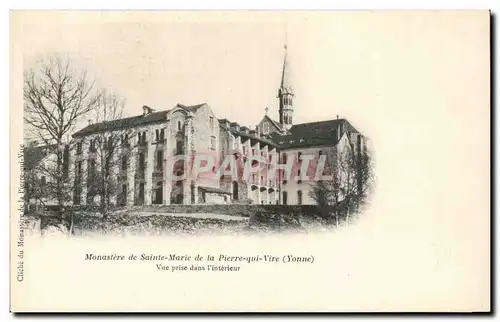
x,y
287,100
284,156
285,197
141,140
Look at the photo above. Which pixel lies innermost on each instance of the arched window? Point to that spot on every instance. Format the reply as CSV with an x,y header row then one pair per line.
x,y
266,128
299,197
179,125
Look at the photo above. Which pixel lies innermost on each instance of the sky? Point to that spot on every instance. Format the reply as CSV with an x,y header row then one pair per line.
x,y
232,62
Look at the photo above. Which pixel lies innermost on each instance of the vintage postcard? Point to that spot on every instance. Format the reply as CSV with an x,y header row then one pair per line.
x,y
250,161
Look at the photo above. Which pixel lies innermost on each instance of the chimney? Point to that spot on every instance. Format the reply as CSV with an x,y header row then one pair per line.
x,y
235,126
146,110
225,123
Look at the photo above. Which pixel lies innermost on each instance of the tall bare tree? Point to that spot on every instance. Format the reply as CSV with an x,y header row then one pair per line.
x,y
56,97
352,179
111,149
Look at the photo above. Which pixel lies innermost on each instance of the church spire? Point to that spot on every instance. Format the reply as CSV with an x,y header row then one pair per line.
x,y
285,94
285,73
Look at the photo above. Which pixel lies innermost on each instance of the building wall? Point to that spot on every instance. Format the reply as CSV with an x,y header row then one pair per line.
x,y
196,130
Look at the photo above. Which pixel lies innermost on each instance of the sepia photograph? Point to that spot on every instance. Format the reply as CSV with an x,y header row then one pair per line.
x,y
332,151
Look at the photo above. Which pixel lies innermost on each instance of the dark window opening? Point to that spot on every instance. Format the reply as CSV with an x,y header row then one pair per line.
x,y
193,190
159,160
235,190
79,148
142,162
124,163
158,200
179,149
141,194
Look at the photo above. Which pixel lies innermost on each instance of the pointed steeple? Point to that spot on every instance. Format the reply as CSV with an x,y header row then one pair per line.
x,y
285,86
285,94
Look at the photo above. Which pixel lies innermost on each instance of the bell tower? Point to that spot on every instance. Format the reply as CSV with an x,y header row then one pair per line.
x,y
285,96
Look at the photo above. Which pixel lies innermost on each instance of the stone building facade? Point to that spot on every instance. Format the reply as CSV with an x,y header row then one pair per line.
x,y
156,144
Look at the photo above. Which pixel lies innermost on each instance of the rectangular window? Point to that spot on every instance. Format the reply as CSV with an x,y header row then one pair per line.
x,y
142,161
159,160
124,163
79,148
162,135
179,146
211,123
212,142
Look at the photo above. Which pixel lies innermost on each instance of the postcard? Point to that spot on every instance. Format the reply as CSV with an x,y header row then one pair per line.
x,y
250,161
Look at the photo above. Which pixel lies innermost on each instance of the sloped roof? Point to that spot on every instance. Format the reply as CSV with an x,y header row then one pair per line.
x,y
133,121
124,123
275,123
35,154
254,137
310,134
191,108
